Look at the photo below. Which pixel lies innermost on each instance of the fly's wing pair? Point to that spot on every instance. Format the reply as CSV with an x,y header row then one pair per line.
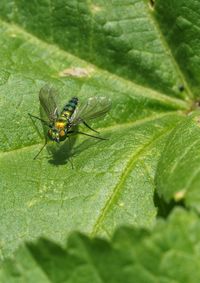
x,y
94,107
48,106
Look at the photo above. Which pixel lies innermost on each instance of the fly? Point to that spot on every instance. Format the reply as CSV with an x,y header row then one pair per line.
x,y
63,124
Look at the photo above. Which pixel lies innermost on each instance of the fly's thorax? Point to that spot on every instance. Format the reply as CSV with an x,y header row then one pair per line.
x,y
60,124
69,108
60,127
66,114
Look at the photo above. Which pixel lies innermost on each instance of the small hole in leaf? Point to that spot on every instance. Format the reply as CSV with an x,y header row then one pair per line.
x,y
181,88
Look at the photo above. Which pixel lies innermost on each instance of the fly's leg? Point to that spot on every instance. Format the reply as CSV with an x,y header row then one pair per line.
x,y
78,132
40,150
89,127
43,121
69,158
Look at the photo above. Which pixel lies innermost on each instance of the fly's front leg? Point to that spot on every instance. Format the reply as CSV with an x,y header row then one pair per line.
x,y
41,149
43,121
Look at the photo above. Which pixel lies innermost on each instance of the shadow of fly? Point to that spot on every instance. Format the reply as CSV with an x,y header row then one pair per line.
x,y
63,124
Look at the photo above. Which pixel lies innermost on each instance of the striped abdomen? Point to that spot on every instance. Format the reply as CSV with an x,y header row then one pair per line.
x,y
69,108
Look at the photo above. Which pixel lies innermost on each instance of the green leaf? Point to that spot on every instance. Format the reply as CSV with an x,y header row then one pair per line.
x,y
132,254
84,49
120,36
179,23
178,174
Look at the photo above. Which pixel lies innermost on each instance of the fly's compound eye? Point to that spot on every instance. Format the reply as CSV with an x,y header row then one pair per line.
x,y
53,135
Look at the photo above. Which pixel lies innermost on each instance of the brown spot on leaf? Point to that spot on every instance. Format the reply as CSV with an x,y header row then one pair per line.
x,y
95,9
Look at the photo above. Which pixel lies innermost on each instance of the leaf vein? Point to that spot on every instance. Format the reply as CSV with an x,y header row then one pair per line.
x,y
130,164
109,128
169,52
145,91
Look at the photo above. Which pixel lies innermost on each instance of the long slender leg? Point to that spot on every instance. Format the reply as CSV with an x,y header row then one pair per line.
x,y
41,149
69,158
78,132
89,127
43,121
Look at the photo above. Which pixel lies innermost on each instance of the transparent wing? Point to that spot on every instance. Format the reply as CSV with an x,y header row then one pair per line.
x,y
47,101
93,108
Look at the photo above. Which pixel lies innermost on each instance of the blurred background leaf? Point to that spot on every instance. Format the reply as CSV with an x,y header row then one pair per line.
x,y
146,256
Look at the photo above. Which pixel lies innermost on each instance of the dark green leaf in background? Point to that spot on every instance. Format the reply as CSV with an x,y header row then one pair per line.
x,y
178,174
167,254
119,49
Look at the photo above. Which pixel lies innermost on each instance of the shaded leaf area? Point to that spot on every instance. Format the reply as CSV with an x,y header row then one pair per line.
x,y
134,254
121,36
178,171
180,26
112,182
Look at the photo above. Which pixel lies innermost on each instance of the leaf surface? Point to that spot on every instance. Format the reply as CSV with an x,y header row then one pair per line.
x,y
85,49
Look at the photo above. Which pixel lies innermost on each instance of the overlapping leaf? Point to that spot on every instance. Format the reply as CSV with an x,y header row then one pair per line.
x,y
178,170
132,254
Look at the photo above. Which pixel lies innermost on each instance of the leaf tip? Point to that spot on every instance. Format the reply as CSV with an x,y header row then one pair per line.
x,y
178,196
151,4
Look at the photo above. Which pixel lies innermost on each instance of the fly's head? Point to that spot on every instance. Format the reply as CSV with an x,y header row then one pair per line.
x,y
57,135
54,135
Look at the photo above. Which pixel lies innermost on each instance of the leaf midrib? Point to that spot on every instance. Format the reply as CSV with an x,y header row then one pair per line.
x,y
169,52
105,129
